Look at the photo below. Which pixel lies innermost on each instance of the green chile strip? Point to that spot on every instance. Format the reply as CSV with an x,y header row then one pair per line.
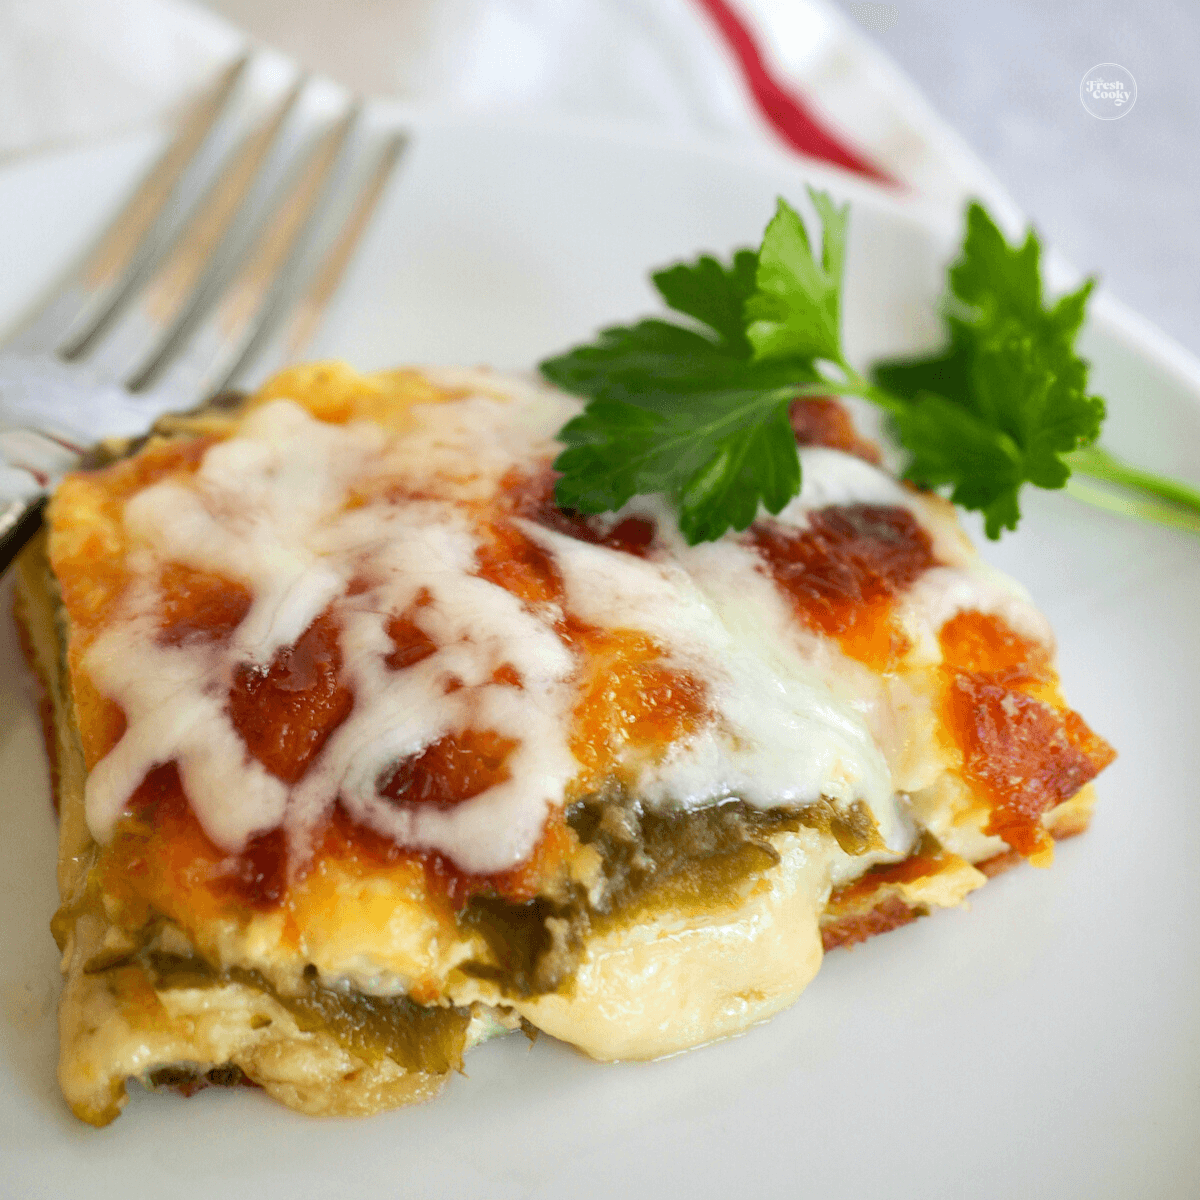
x,y
689,861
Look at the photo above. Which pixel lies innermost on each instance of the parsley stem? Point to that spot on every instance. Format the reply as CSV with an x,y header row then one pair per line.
x,y
1100,464
1139,508
853,385
798,391
882,398
1132,492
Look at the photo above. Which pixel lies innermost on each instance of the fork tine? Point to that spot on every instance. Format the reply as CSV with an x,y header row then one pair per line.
x,y
209,326
167,297
96,281
310,307
247,304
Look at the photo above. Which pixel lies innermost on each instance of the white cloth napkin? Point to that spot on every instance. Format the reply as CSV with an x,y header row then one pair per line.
x,y
71,70
79,69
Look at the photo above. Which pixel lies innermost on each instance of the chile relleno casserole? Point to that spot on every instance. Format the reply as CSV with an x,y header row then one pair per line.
x,y
366,751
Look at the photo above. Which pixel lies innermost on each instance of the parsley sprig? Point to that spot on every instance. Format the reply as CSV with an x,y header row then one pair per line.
x,y
698,409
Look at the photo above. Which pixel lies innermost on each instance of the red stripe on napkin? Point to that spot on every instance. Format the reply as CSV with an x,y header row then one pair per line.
x,y
787,113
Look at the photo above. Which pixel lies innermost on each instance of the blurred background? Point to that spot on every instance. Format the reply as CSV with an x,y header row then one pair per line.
x,y
1119,196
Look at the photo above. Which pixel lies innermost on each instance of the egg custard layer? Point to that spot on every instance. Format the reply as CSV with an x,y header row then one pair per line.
x,y
365,751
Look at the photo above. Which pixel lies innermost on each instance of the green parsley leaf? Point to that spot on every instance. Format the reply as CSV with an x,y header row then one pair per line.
x,y
716,459
655,364
1007,399
715,294
795,311
697,409
699,412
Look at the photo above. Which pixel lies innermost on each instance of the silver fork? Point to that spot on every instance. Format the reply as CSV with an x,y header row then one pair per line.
x,y
242,229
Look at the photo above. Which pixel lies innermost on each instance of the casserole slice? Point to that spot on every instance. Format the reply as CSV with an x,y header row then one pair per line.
x,y
365,751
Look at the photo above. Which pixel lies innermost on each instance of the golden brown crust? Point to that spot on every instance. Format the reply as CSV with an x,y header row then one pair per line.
x,y
879,903
45,705
889,914
999,863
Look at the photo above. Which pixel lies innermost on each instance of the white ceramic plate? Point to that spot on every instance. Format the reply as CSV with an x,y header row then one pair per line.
x,y
1043,1044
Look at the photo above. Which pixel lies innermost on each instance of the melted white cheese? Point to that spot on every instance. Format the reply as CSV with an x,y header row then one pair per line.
x,y
794,719
943,592
780,736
